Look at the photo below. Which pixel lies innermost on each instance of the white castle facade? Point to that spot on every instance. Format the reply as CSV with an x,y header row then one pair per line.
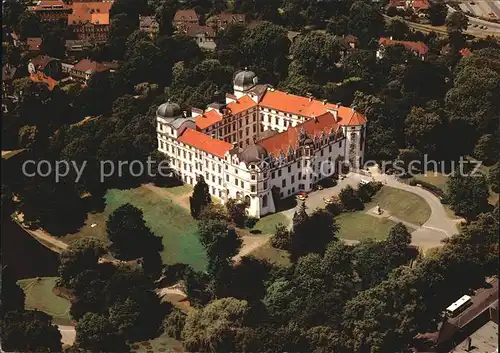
x,y
260,144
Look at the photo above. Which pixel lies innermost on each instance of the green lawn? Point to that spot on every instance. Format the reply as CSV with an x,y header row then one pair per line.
x,y
272,255
402,204
181,190
436,179
359,225
267,224
165,218
39,296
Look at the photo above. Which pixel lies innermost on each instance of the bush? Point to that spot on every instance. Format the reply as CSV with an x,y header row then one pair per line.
x,y
367,191
335,208
281,238
174,324
350,199
250,222
412,182
432,188
175,272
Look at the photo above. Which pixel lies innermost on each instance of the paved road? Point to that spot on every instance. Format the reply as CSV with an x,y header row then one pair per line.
x,y
492,27
438,227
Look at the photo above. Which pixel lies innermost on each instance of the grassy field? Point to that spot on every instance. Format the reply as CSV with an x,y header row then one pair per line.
x,y
359,225
267,224
402,204
272,255
436,179
39,296
165,218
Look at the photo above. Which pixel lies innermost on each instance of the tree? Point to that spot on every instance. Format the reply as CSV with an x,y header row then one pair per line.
x,y
123,315
494,177
281,237
218,327
424,130
174,323
365,22
266,47
486,149
467,194
29,25
237,212
12,296
360,63
397,28
437,13
221,242
53,44
29,331
130,236
315,52
396,246
200,198
350,200
95,333
82,254
28,136
456,22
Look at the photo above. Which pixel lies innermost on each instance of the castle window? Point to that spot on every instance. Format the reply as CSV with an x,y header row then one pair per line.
x,y
252,188
340,143
289,169
227,177
279,172
293,179
264,201
265,185
283,183
253,177
272,175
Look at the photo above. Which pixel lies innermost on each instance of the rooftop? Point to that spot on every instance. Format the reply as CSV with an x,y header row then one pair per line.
x,y
41,61
204,142
34,43
41,78
89,66
193,30
93,12
183,15
418,47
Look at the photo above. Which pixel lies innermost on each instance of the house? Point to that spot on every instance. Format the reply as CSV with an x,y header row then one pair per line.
x,y
84,69
352,41
398,4
259,144
224,19
42,78
50,67
419,48
184,19
77,45
90,21
149,25
419,6
203,35
51,10
33,44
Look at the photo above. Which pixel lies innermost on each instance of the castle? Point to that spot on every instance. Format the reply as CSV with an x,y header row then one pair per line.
x,y
259,144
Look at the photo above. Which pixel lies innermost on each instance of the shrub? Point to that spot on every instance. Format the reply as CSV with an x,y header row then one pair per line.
x,y
250,222
335,208
174,324
350,199
175,272
281,238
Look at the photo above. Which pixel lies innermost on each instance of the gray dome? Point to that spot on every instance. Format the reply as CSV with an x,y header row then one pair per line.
x,y
253,154
169,110
245,78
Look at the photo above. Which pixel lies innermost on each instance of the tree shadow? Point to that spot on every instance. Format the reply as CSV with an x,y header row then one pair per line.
x,y
255,231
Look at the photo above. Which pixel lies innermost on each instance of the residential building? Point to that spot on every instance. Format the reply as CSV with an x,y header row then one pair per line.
x,y
203,35
51,10
90,21
77,45
50,67
184,19
84,69
149,25
260,144
33,44
418,48
224,19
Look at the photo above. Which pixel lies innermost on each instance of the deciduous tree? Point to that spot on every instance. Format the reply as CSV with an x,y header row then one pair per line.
x,y
200,198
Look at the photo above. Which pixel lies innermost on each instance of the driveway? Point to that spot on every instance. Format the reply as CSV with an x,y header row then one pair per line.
x,y
438,227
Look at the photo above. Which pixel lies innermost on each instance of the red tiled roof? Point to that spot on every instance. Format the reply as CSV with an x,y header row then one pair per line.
x,y
93,12
289,138
184,15
208,119
242,104
465,52
41,61
397,3
193,30
418,47
34,43
50,5
420,4
204,142
40,77
230,17
89,65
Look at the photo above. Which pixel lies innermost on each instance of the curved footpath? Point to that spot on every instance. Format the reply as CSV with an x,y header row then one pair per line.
x,y
438,227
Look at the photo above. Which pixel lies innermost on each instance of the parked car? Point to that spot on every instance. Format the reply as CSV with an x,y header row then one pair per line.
x,y
301,197
327,201
318,187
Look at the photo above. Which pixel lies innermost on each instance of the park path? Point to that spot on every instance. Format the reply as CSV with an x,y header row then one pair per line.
x,y
68,334
429,235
